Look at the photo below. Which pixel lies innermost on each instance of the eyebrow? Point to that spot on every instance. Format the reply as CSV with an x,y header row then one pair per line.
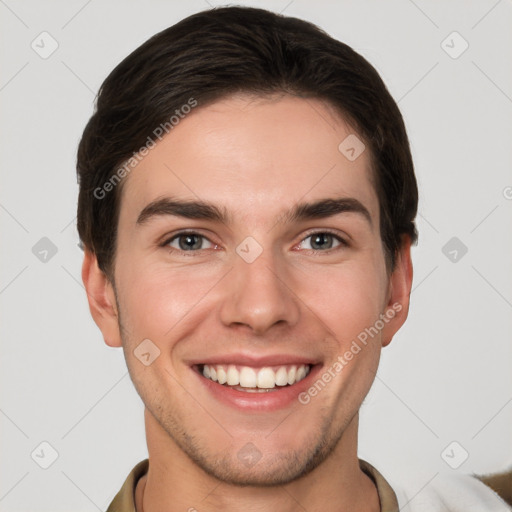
x,y
202,210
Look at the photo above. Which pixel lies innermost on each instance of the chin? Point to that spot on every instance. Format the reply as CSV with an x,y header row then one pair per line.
x,y
268,471
272,465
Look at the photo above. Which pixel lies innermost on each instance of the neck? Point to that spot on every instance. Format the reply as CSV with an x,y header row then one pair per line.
x,y
175,483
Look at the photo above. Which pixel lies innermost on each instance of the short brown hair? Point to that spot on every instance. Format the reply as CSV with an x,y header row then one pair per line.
x,y
219,52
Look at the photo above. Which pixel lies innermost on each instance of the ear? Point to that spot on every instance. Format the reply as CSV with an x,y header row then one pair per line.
x,y
101,298
399,291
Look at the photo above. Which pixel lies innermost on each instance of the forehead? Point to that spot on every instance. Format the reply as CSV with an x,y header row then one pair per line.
x,y
255,157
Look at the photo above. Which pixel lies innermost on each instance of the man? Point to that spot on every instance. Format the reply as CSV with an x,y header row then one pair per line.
x,y
247,204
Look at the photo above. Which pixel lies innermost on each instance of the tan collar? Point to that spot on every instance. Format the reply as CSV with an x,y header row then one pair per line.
x,y
387,497
124,500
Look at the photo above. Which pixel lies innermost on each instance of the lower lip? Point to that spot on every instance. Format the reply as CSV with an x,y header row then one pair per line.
x,y
278,398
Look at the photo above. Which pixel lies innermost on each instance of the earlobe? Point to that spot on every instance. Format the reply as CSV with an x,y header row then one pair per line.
x,y
101,298
400,285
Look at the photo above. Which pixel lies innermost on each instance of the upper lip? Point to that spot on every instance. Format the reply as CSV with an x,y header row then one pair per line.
x,y
254,360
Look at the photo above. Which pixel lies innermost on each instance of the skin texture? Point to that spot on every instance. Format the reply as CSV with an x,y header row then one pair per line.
x,y
255,157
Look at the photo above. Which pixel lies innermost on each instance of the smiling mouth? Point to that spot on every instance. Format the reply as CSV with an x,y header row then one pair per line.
x,y
255,380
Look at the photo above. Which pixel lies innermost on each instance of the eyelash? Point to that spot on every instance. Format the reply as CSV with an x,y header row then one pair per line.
x,y
343,242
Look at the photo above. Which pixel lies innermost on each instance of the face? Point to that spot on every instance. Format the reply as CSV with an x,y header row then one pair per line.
x,y
249,262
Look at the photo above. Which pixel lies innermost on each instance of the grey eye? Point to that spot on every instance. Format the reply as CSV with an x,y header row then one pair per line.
x,y
189,242
320,241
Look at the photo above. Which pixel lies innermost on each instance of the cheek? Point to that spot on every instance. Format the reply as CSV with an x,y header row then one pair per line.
x,y
155,298
347,298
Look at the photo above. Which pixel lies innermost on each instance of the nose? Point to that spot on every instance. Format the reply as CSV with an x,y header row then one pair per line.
x,y
259,296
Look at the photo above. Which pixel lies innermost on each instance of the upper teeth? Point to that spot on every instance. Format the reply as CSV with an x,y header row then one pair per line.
x,y
248,377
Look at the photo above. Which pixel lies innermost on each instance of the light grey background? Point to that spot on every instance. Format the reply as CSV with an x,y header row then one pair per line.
x,y
447,376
